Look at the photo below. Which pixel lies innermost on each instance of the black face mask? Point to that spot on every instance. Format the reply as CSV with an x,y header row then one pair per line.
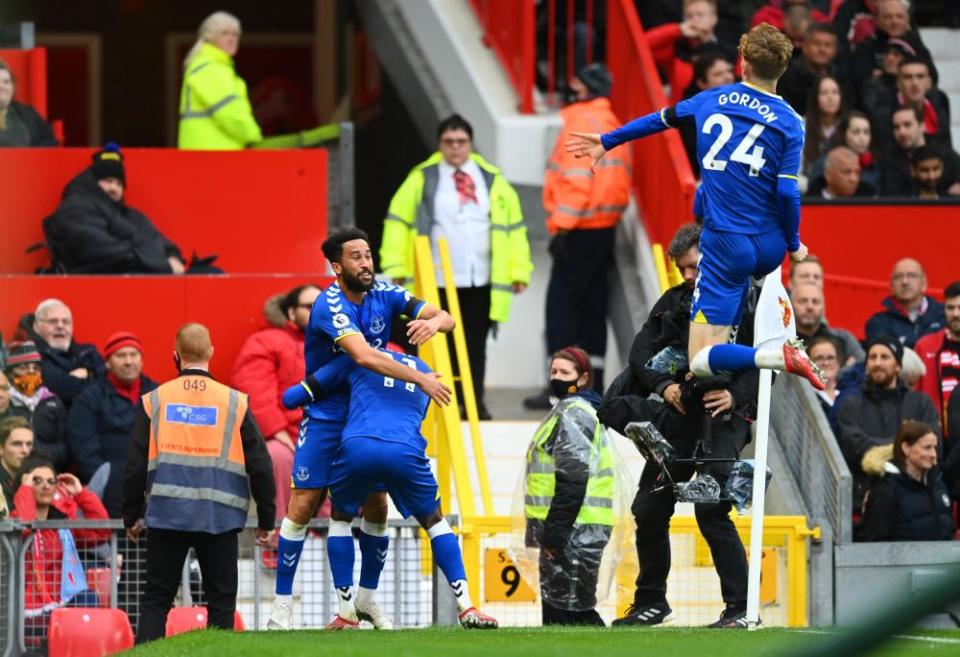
x,y
560,388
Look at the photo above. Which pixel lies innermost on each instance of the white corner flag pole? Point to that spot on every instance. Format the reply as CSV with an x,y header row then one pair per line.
x,y
772,326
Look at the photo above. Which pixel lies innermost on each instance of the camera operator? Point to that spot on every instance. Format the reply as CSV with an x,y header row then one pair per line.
x,y
699,417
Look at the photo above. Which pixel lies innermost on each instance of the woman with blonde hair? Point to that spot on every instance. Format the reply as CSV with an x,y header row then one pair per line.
x,y
215,112
20,124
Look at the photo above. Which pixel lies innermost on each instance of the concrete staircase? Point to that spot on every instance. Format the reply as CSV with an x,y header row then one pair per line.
x,y
945,49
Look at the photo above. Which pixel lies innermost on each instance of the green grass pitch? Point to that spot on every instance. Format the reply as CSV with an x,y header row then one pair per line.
x,y
529,642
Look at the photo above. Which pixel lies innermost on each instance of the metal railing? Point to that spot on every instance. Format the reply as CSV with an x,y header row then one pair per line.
x,y
115,569
811,453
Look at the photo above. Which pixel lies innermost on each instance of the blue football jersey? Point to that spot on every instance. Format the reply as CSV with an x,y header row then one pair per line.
x,y
380,407
333,317
747,138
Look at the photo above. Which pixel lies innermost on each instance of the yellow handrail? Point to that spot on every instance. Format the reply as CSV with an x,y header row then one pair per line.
x,y
466,378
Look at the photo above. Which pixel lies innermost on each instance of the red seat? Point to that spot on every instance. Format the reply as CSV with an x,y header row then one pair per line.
x,y
88,632
98,579
187,619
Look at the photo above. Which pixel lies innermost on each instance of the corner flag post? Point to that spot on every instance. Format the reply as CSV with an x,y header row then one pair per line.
x,y
772,326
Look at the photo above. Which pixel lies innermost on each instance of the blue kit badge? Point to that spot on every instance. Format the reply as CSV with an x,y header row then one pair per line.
x,y
204,416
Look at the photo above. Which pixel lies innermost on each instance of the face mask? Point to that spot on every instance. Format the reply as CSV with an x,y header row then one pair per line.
x,y
28,383
561,388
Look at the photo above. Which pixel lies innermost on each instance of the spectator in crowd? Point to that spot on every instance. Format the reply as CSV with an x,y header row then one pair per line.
x,y
897,176
269,362
808,270
582,214
676,46
910,501
6,408
825,351
926,166
825,106
796,23
854,132
880,90
101,417
892,22
855,21
871,415
457,195
908,313
570,455
67,366
94,231
940,353
809,308
20,124
16,444
186,501
817,59
777,13
42,408
711,69
841,176
914,87
215,112
54,574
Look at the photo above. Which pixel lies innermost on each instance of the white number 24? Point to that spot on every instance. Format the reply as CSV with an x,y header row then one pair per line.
x,y
743,153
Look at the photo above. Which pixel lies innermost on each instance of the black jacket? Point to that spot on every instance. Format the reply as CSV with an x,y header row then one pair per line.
x,y
892,321
38,130
257,461
797,81
881,107
91,233
98,431
896,179
900,508
869,54
871,417
56,365
49,423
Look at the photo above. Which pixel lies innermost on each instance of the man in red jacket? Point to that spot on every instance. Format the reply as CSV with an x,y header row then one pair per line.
x,y
270,361
940,353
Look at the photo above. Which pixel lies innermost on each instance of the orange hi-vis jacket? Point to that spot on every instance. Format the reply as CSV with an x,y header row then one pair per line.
x,y
576,198
196,474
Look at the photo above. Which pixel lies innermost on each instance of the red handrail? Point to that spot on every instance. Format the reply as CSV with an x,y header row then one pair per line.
x,y
508,28
663,181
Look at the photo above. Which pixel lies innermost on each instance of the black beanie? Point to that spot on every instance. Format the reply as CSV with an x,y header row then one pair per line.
x,y
596,78
108,163
890,342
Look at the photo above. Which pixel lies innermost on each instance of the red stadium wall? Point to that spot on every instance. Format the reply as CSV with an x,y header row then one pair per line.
x,y
260,211
154,307
858,245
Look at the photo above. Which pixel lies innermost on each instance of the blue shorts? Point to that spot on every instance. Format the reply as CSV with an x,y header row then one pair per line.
x,y
317,446
363,463
727,262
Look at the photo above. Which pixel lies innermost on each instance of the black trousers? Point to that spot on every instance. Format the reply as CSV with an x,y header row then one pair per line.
x,y
579,291
166,551
653,508
553,616
475,313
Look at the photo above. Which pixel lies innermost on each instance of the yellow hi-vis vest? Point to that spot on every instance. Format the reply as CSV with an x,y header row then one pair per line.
x,y
196,470
597,507
215,112
411,214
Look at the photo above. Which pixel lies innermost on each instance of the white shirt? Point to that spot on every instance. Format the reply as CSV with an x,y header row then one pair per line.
x,y
466,227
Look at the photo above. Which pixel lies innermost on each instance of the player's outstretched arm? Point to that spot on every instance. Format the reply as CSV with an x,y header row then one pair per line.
x,y
366,356
429,322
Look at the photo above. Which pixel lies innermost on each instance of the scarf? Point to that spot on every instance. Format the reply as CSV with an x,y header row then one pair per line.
x,y
129,391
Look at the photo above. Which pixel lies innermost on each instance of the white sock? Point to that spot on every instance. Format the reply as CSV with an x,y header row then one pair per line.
x,y
292,531
770,359
462,593
442,527
373,528
365,597
700,365
340,528
345,596
280,599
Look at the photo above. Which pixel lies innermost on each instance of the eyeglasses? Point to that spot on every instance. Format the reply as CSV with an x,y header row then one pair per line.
x,y
907,275
826,358
53,321
450,141
40,481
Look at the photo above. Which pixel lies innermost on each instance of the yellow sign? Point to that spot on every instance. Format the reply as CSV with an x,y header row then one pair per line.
x,y
501,579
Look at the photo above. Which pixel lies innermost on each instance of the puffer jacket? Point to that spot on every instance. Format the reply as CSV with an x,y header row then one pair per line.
x,y
270,361
893,321
91,233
